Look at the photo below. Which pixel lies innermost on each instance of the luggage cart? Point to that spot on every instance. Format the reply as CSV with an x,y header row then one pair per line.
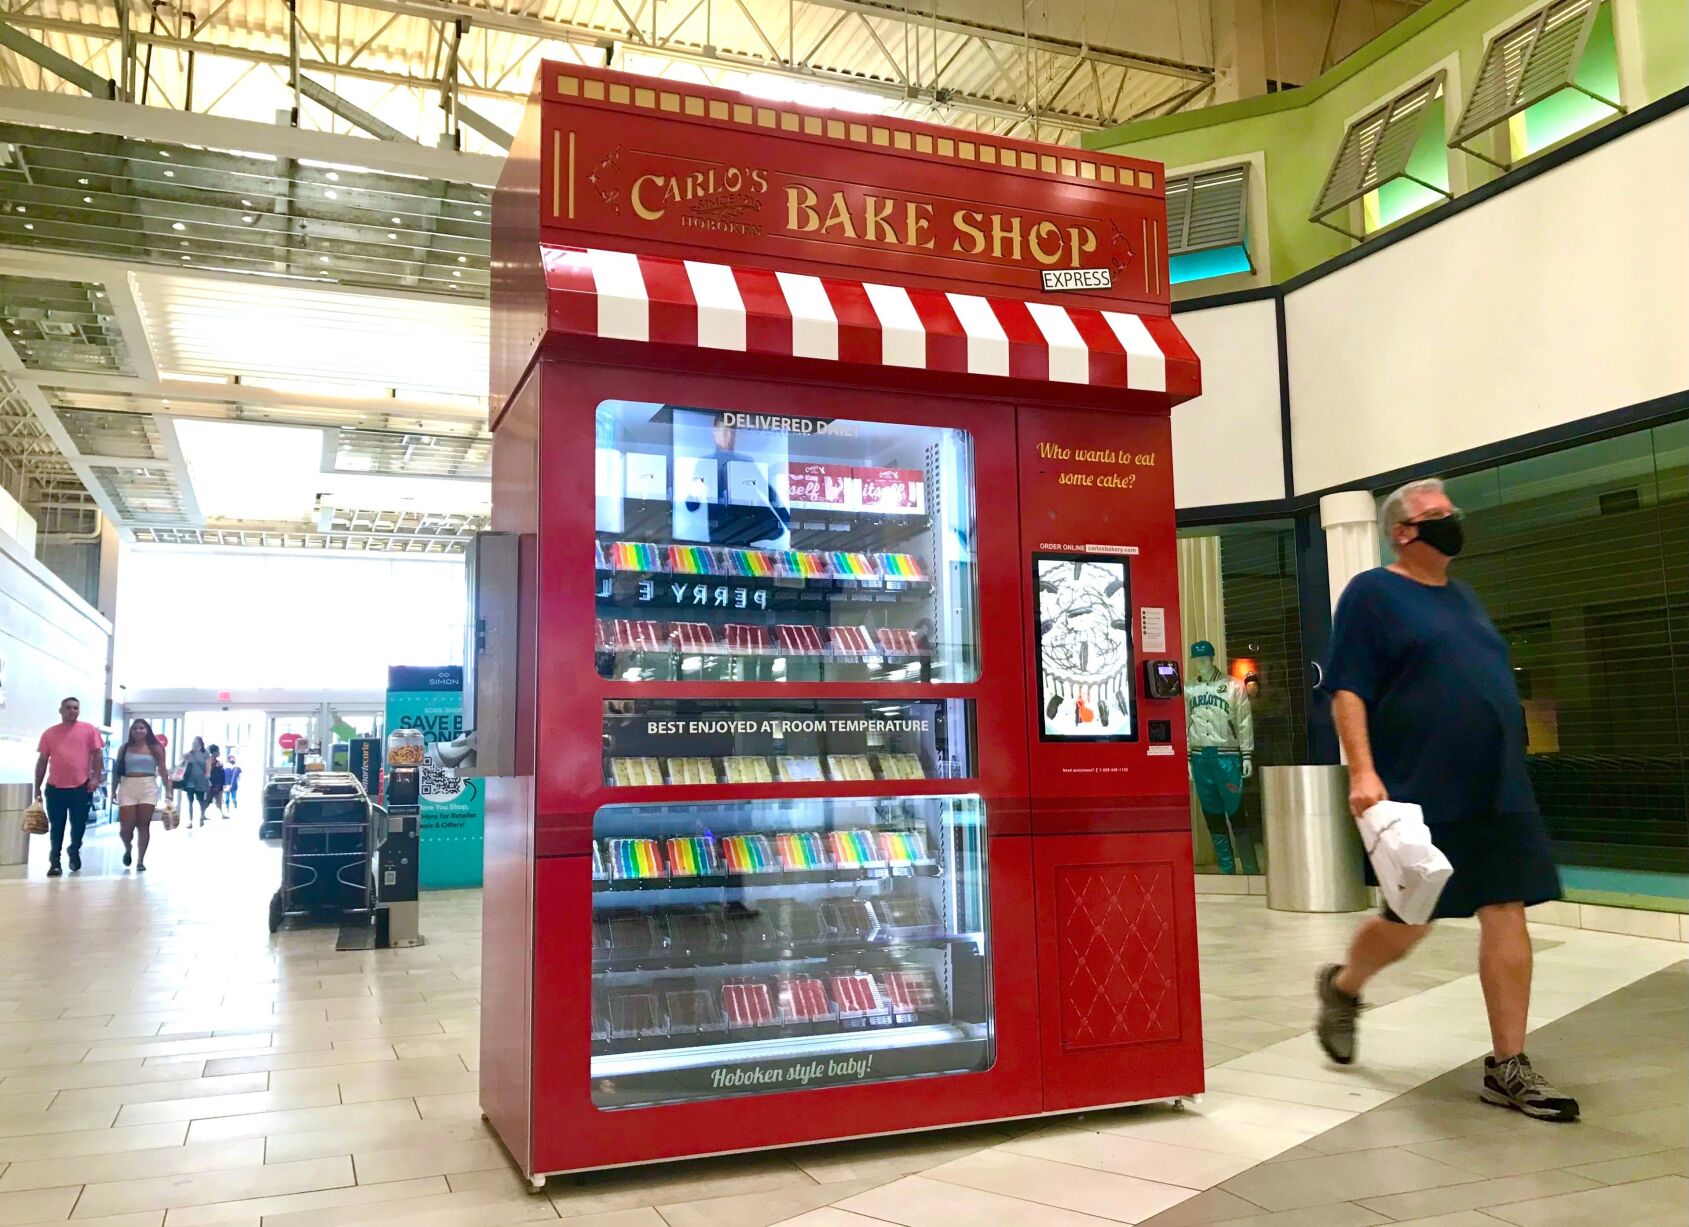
x,y
330,833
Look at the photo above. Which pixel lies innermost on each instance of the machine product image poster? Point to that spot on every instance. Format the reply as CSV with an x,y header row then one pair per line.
x,y
453,809
1084,648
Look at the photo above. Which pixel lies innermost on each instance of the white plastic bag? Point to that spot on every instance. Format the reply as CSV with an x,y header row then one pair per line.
x,y
1411,869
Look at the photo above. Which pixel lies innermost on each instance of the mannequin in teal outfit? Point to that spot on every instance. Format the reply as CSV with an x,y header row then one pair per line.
x,y
1222,747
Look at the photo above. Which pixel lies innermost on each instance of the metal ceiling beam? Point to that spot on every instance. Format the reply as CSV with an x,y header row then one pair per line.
x,y
32,107
61,66
355,115
478,122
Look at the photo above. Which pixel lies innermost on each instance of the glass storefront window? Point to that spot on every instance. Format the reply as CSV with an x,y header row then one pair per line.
x,y
1238,595
748,547
743,947
1581,557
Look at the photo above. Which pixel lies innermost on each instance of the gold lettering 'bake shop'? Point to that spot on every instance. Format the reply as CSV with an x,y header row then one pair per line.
x,y
901,222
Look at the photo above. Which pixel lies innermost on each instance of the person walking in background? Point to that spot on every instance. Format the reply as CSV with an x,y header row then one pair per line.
x,y
216,777
1428,712
70,760
136,770
232,774
195,780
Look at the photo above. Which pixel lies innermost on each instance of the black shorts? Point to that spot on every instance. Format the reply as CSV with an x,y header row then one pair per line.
x,y
1496,859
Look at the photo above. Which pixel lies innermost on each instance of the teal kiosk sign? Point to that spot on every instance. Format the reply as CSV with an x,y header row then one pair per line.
x,y
430,700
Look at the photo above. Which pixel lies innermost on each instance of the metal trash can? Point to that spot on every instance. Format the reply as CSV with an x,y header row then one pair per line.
x,y
1315,862
14,844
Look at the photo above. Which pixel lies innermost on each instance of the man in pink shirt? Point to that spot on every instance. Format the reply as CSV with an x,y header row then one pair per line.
x,y
71,762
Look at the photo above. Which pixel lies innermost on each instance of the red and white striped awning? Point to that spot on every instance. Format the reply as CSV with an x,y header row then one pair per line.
x,y
617,295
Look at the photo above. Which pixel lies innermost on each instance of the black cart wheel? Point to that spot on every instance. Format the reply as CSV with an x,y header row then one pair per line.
x,y
275,911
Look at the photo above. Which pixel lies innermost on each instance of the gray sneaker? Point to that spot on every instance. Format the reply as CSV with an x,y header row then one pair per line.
x,y
1335,1027
1514,1084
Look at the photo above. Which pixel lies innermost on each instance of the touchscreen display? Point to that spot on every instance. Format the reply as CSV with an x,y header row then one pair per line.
x,y
1084,648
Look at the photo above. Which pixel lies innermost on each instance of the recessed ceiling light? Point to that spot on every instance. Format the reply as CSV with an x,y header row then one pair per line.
x,y
83,181
177,226
29,225
163,153
99,293
169,174
477,212
245,202
392,234
187,257
333,176
22,209
463,259
455,273
87,200
183,243
398,221
322,259
248,218
332,194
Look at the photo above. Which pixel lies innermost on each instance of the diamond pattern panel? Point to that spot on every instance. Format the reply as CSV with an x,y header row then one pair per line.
x,y
1119,964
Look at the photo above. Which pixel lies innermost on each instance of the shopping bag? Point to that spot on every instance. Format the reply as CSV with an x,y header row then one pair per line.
x,y
35,819
168,815
1411,869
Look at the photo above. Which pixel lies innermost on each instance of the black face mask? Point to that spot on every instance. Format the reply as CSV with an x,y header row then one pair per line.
x,y
1446,534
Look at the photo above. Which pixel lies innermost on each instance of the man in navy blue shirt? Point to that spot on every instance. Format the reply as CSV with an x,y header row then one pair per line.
x,y
1426,707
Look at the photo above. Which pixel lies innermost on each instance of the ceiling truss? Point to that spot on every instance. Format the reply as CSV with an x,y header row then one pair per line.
x,y
452,58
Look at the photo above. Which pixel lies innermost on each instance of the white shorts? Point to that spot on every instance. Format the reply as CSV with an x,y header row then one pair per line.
x,y
137,790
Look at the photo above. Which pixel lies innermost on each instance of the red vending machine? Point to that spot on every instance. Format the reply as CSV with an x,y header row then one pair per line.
x,y
848,791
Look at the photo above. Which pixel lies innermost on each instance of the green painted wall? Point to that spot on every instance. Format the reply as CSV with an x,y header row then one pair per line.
x,y
1298,131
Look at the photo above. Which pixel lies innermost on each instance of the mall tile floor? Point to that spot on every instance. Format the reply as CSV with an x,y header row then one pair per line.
x,y
165,1063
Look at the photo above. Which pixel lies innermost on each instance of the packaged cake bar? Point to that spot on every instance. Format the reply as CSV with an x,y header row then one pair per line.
x,y
900,567
747,1004
693,931
849,767
795,923
692,856
902,848
744,639
692,771
600,556
799,770
854,566
630,859
850,919
798,639
801,851
856,850
599,871
634,1015
632,933
691,1010
745,930
901,767
638,556
802,999
748,854
849,641
856,995
747,769
897,642
909,990
635,772
691,560
747,564
640,635
692,636
903,916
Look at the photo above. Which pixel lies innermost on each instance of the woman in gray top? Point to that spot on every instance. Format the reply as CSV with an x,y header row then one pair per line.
x,y
136,770
195,781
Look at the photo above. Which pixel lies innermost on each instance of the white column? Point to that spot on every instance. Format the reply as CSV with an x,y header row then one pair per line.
x,y
1350,520
1202,606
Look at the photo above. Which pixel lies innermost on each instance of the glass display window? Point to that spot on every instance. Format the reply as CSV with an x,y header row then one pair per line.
x,y
650,742
744,947
752,547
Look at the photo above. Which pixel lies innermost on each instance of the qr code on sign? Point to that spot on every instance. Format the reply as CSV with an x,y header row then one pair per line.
x,y
439,783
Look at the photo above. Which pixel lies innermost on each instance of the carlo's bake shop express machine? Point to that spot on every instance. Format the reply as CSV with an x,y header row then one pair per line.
x,y
839,800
